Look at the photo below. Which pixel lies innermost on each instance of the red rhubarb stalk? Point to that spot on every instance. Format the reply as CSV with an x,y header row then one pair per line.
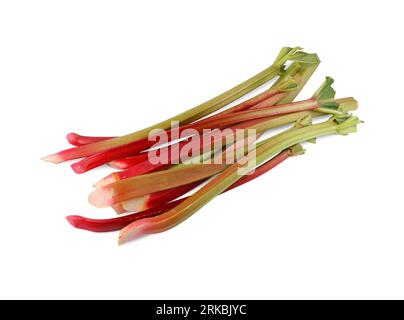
x,y
114,224
79,140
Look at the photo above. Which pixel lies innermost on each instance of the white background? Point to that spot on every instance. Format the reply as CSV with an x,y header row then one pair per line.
x,y
328,224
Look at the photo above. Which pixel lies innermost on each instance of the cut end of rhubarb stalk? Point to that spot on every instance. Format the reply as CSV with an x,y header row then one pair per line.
x,y
297,150
118,208
54,158
347,104
74,220
348,125
101,197
295,54
308,58
282,55
78,168
111,178
136,204
131,232
304,122
287,85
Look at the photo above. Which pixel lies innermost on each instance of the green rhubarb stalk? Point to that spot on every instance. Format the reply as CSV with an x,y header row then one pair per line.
x,y
286,54
229,176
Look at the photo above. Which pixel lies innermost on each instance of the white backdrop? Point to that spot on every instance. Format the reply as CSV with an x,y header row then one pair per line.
x,y
328,224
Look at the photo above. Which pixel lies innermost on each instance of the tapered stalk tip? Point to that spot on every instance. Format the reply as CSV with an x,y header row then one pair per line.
x,y
132,232
54,158
123,238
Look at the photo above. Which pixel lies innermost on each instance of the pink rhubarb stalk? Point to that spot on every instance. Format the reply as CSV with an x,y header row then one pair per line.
x,y
162,180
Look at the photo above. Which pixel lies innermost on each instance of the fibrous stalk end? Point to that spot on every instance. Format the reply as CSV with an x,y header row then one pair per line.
x,y
288,84
133,231
347,125
136,204
347,104
101,197
297,150
78,168
118,208
295,54
54,158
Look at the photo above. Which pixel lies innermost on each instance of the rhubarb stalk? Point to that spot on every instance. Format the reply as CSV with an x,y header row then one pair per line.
x,y
229,176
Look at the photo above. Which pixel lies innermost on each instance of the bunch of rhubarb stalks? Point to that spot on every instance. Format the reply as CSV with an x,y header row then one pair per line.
x,y
152,196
